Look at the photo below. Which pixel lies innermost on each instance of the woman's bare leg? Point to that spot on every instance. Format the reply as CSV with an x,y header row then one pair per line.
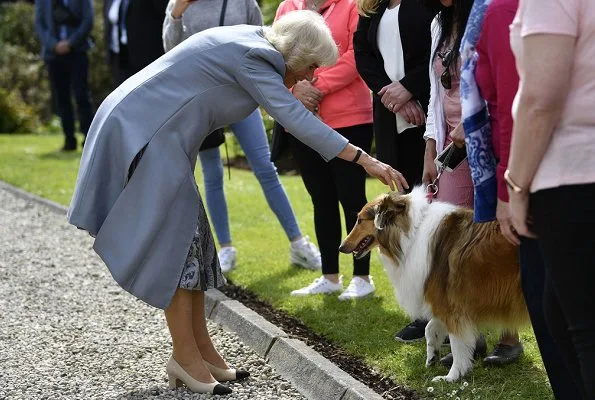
x,y
179,316
201,333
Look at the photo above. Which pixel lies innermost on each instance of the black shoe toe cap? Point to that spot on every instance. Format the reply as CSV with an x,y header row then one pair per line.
x,y
241,374
221,389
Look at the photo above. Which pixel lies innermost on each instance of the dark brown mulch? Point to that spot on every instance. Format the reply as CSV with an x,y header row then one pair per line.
x,y
355,366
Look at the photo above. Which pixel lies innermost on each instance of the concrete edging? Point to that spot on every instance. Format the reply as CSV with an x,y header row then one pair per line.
x,y
313,375
52,205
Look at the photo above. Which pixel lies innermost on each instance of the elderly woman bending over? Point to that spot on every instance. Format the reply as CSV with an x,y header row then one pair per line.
x,y
136,192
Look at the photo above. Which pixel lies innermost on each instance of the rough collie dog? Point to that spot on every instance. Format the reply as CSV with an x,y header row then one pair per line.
x,y
459,275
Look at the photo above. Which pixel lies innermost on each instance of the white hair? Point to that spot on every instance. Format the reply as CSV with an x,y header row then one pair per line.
x,y
304,39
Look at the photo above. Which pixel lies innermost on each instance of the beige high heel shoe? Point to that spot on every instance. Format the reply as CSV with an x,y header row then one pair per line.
x,y
225,375
177,376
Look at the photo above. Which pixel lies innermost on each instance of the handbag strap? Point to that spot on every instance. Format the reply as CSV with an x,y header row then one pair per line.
x,y
222,16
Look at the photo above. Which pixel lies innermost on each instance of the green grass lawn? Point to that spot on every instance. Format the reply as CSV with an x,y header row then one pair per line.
x,y
364,328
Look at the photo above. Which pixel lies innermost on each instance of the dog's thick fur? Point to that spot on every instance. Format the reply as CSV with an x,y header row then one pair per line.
x,y
459,275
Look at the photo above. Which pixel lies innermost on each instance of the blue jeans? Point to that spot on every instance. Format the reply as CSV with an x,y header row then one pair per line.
x,y
252,137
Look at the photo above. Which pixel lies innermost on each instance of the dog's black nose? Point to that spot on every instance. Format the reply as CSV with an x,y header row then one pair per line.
x,y
342,249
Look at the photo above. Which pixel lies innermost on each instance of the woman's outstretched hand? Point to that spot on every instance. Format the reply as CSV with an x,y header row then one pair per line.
x,y
384,172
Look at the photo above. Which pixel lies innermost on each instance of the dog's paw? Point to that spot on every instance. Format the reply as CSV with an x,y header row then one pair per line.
x,y
447,378
430,362
439,378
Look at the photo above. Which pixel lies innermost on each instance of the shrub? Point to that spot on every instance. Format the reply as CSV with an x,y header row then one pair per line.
x,y
15,115
100,80
17,27
23,74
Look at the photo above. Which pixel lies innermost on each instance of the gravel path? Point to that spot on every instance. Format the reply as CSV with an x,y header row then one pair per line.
x,y
67,331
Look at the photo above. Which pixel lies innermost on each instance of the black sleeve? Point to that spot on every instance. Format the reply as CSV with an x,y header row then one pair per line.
x,y
159,6
368,65
417,79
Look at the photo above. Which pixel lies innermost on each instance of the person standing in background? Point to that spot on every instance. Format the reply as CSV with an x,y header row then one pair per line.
x,y
116,39
392,53
184,18
144,19
63,27
551,170
132,35
339,96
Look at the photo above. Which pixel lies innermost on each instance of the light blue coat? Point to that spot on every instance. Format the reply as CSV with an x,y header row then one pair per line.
x,y
144,228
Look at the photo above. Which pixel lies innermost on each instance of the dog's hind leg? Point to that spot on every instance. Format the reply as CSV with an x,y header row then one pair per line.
x,y
435,334
462,346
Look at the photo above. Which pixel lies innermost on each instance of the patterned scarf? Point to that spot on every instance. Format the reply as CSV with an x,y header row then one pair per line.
x,y
476,121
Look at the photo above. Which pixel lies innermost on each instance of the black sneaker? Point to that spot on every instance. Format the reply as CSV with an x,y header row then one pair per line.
x,y
504,354
481,349
414,332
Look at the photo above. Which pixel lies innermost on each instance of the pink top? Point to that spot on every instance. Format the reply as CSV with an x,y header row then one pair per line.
x,y
498,80
455,187
347,100
570,156
452,98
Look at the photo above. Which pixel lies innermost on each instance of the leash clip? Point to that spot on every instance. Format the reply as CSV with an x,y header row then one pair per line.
x,y
432,190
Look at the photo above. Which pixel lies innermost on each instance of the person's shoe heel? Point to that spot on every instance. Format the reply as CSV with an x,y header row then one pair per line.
x,y
174,382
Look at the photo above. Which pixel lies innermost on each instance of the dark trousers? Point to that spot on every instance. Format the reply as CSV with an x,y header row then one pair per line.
x,y
403,151
563,220
533,283
329,184
69,74
119,66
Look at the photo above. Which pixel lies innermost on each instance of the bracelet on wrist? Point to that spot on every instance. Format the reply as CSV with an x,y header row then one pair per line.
x,y
358,154
511,183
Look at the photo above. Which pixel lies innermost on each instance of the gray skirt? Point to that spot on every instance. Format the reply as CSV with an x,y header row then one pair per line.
x,y
201,268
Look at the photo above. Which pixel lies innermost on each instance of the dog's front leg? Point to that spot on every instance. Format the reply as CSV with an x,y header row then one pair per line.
x,y
435,335
462,346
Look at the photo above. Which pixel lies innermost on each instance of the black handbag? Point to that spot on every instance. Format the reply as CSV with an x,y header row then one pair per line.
x,y
213,139
279,143
62,14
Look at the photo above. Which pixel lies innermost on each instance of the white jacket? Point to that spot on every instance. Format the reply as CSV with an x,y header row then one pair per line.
x,y
435,122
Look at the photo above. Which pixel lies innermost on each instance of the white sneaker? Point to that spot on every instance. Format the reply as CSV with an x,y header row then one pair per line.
x,y
305,254
320,285
358,288
227,258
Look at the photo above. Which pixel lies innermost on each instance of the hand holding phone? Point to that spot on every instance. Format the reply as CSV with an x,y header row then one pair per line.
x,y
452,155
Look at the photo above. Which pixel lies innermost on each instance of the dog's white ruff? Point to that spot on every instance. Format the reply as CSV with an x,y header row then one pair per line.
x,y
409,277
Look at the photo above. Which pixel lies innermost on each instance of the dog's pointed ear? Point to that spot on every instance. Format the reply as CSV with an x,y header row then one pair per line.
x,y
387,209
381,219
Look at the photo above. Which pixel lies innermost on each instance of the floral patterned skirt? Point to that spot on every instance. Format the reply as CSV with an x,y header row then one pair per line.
x,y
201,268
